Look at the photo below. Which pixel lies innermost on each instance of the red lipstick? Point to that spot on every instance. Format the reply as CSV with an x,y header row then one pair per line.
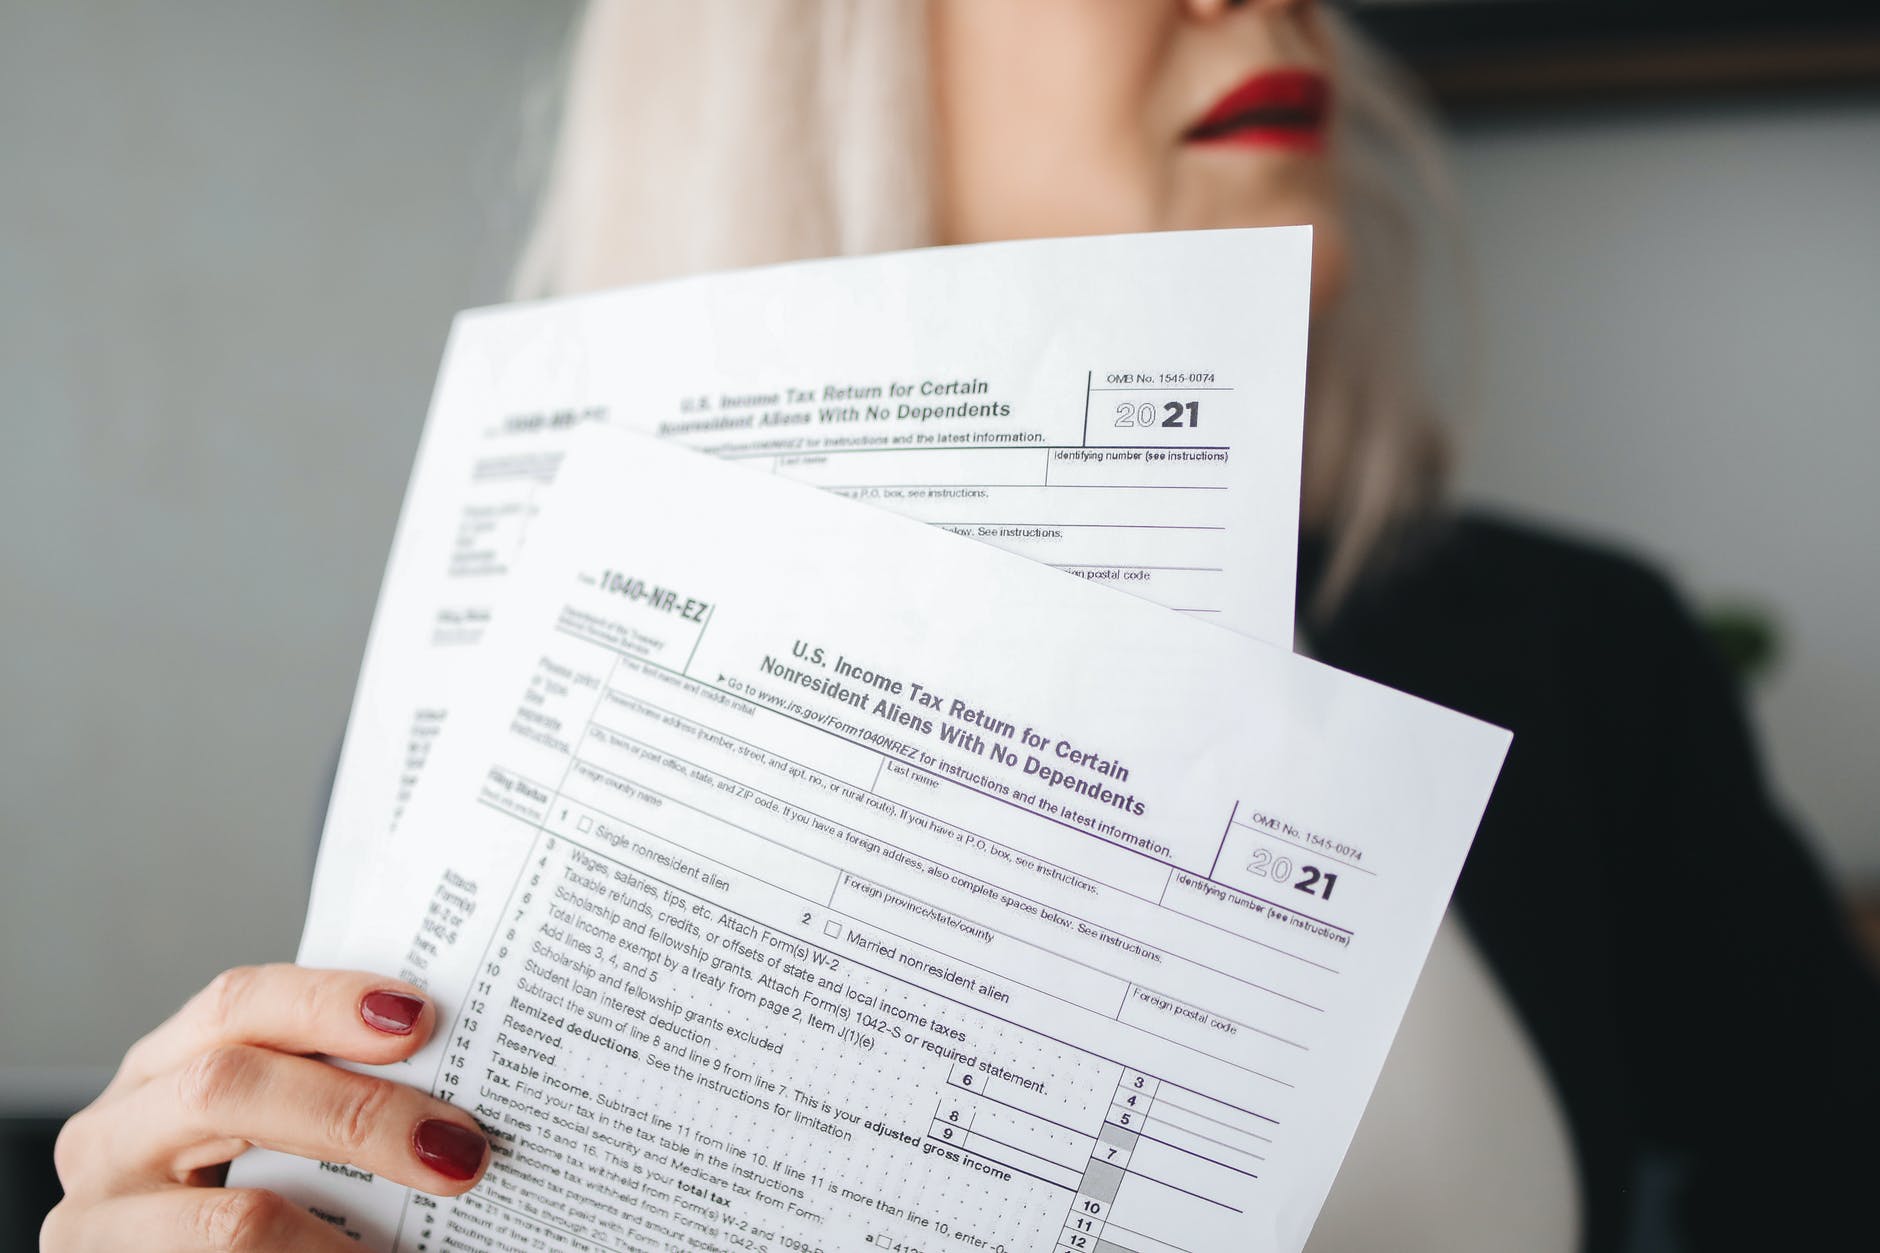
x,y
1276,109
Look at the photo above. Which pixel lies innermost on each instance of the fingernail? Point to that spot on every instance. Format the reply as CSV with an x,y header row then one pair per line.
x,y
394,1013
452,1151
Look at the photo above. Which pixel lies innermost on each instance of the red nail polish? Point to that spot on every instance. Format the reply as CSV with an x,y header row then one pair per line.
x,y
394,1013
452,1151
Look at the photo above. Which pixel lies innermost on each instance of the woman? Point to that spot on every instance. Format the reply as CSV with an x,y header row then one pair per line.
x,y
1641,954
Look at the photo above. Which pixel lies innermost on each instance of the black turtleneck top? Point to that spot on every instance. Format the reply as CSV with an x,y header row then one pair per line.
x,y
1673,951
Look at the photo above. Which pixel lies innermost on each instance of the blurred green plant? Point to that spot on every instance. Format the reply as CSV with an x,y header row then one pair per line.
x,y
1748,636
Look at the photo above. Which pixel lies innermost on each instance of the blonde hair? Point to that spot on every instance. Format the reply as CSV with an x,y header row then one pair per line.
x,y
711,134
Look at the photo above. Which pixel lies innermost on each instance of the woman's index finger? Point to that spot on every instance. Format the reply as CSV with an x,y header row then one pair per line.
x,y
350,1014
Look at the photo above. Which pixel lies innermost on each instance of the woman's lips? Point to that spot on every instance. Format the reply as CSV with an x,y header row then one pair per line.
x,y
1275,109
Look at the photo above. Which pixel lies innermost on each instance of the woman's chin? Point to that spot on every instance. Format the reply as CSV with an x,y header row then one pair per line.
x,y
1330,259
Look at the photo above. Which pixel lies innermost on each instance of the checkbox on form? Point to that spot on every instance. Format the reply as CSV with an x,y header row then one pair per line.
x,y
833,928
586,824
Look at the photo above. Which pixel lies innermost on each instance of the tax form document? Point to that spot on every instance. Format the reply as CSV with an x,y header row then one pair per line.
x,y
1127,408
802,877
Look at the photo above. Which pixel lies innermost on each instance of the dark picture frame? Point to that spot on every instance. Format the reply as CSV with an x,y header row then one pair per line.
x,y
1474,53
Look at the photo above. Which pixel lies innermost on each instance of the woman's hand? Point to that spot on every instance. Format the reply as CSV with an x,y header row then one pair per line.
x,y
142,1164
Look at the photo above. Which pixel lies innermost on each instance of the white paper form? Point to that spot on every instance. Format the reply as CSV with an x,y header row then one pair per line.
x,y
1127,408
820,881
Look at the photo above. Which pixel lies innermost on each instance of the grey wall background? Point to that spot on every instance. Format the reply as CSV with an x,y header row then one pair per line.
x,y
1681,350
231,238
